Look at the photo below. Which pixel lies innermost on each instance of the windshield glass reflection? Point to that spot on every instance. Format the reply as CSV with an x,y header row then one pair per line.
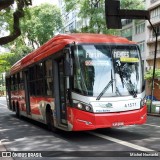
x,y
97,65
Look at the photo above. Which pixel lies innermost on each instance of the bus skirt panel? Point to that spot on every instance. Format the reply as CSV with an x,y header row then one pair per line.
x,y
81,120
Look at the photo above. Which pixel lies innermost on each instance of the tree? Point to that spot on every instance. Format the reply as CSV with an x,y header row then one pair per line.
x,y
6,61
38,28
132,4
94,11
17,14
149,74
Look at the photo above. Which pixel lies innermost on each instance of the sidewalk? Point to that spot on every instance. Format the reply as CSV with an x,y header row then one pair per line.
x,y
153,114
156,103
155,109
2,146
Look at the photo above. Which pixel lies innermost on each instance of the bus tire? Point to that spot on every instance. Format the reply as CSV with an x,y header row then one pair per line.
x,y
17,111
13,107
50,121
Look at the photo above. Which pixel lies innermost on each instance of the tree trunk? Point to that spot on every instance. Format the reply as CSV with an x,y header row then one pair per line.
x,y
19,13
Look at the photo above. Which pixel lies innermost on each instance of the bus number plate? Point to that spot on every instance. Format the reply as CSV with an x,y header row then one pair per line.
x,y
117,124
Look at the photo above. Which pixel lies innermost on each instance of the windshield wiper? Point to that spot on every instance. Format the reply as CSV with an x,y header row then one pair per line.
x,y
117,91
129,85
105,89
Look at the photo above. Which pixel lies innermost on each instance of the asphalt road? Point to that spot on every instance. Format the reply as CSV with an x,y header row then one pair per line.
x,y
128,142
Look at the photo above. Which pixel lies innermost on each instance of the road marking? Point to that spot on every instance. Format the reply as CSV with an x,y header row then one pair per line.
x,y
3,104
152,125
131,145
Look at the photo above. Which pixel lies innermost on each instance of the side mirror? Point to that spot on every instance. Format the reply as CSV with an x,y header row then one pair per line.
x,y
68,63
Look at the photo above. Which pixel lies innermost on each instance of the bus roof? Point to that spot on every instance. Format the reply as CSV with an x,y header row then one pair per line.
x,y
60,41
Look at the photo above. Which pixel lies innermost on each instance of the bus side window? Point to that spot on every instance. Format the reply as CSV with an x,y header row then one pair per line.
x,y
40,79
21,81
13,83
48,78
32,80
18,81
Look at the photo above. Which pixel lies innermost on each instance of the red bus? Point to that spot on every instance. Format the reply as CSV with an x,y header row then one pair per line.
x,y
80,82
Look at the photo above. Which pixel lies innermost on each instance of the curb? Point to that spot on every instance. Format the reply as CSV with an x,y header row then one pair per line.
x,y
152,114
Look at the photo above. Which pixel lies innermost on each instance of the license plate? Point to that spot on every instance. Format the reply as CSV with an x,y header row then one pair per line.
x,y
117,124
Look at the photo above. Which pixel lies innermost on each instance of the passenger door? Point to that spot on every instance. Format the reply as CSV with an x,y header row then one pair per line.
x,y
27,96
60,91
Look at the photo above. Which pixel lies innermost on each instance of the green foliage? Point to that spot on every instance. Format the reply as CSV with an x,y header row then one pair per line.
x,y
149,74
6,20
72,5
38,26
91,11
41,24
94,12
132,4
6,61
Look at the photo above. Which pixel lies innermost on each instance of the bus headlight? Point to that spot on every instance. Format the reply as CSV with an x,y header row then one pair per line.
x,y
84,107
143,102
79,106
88,108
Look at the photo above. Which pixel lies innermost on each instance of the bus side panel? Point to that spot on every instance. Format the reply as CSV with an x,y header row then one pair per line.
x,y
21,100
38,107
81,120
77,120
14,99
18,97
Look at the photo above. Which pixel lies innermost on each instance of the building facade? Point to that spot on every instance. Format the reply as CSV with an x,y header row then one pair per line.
x,y
134,30
71,21
139,31
154,7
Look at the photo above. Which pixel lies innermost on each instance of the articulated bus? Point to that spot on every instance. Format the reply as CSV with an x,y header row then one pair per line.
x,y
81,81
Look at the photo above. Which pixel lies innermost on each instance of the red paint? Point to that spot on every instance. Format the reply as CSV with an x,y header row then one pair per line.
x,y
19,97
60,41
105,120
75,117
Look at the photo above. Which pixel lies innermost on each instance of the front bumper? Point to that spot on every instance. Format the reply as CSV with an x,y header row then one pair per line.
x,y
80,120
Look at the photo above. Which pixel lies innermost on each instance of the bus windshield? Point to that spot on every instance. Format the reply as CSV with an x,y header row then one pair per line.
x,y
107,70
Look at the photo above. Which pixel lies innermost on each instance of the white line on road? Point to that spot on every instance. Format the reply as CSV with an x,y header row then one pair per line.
x,y
152,125
3,104
131,145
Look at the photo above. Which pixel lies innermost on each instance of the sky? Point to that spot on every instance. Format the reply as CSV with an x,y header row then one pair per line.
x,y
38,2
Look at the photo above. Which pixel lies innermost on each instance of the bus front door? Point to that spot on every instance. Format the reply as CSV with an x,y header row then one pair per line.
x,y
60,92
27,99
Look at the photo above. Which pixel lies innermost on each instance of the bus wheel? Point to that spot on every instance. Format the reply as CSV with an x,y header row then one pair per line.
x,y
17,111
50,121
